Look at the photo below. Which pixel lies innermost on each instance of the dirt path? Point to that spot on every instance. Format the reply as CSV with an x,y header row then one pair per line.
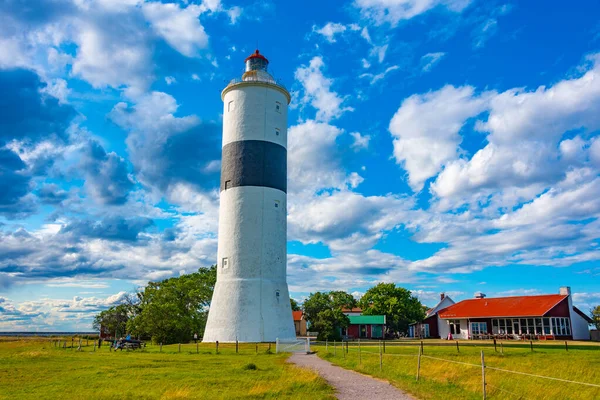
x,y
349,385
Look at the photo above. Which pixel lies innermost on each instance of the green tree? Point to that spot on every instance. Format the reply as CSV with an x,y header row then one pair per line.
x,y
399,306
294,304
596,317
114,320
172,310
323,311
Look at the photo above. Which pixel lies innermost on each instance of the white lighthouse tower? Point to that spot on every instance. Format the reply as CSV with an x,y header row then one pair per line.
x,y
251,302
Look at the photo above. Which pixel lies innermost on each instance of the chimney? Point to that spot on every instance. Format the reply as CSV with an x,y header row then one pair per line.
x,y
479,295
442,296
565,290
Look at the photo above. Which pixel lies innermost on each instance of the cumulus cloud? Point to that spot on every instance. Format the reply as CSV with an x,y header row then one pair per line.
x,y
318,93
331,29
106,175
180,27
426,129
361,142
110,228
166,149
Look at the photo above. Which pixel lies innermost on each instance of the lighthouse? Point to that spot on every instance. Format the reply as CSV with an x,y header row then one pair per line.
x,y
251,301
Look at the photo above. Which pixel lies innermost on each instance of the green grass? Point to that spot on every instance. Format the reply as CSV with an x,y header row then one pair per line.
x,y
35,369
444,380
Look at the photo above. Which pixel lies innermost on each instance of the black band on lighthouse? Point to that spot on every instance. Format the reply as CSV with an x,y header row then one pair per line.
x,y
254,163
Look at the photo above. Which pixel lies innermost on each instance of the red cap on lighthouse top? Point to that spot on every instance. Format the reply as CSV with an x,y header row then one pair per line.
x,y
256,54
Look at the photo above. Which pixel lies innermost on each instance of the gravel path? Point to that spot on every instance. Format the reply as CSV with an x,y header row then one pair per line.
x,y
349,385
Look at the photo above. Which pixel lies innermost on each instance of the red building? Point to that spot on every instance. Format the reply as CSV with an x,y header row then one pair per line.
x,y
550,316
365,327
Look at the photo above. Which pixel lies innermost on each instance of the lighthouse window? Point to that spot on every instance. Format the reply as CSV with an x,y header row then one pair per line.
x,y
278,106
225,263
227,184
276,203
277,132
230,106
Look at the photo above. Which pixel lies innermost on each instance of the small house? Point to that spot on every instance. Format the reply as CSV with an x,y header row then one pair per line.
x,y
299,323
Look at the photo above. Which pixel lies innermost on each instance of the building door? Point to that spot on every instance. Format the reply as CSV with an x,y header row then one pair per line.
x,y
363,331
376,331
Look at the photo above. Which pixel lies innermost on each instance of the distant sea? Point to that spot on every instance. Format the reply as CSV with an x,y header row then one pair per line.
x,y
46,333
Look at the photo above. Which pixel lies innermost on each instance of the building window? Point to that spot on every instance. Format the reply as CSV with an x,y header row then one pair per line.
x,y
454,326
224,263
478,328
230,106
344,332
277,132
278,106
276,203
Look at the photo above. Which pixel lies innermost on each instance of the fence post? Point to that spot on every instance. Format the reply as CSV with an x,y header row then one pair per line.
x,y
217,347
380,357
421,347
483,374
327,345
384,346
256,348
531,344
72,343
65,345
344,352
276,345
79,348
269,348
419,364
94,345
87,342
346,346
566,347
495,348
197,348
457,349
502,347
334,349
179,350
359,354
236,346
160,347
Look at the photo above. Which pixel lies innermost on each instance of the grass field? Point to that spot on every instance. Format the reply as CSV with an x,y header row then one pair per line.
x,y
446,380
35,369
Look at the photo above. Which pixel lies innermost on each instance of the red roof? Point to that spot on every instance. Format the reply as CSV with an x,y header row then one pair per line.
x,y
256,54
353,309
517,306
297,315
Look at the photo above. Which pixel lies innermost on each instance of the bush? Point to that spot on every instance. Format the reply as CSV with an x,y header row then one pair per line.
x,y
250,366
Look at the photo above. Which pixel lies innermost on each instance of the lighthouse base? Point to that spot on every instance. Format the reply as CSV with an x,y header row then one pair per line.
x,y
250,310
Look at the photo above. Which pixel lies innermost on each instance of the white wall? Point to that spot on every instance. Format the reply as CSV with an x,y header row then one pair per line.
x,y
579,327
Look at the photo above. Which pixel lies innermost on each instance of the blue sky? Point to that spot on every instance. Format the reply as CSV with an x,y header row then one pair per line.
x,y
447,146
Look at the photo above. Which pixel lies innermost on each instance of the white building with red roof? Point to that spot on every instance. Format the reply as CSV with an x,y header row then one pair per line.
x,y
550,316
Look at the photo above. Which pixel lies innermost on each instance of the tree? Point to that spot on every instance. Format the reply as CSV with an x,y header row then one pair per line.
x,y
294,304
323,311
172,310
399,306
113,321
596,317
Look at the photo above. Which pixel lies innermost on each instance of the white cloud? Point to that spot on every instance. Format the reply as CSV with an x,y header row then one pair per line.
x,y
426,130
379,52
360,141
376,78
170,80
429,60
329,30
180,27
393,11
318,93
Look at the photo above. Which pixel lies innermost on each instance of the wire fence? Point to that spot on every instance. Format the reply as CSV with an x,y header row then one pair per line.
x,y
367,347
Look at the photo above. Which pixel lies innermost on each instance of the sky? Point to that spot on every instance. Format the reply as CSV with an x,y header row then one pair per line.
x,y
443,145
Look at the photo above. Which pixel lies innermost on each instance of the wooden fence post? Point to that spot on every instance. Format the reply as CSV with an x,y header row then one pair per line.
x,y
327,345
87,342
380,357
421,347
94,344
72,343
359,354
79,348
344,352
566,347
334,349
346,346
256,348
236,346
384,346
217,347
179,348
160,347
495,348
483,374
197,351
502,347
531,344
419,364
457,349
